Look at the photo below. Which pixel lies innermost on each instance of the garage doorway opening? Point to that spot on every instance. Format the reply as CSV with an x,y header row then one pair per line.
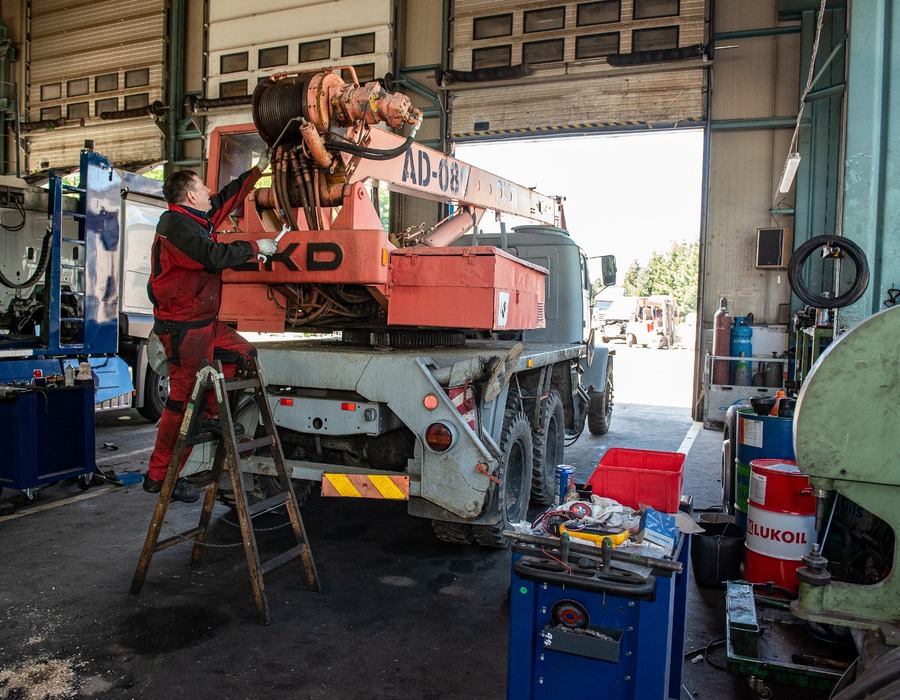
x,y
633,195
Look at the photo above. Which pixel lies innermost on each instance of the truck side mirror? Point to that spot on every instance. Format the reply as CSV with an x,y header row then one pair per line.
x,y
608,270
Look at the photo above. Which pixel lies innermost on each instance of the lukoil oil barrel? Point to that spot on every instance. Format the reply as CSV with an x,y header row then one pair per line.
x,y
780,522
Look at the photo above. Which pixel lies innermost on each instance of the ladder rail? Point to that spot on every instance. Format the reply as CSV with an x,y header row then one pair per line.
x,y
228,452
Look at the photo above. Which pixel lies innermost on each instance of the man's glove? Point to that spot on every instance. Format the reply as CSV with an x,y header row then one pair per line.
x,y
267,246
263,161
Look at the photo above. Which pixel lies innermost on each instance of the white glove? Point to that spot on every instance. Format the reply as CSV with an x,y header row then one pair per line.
x,y
263,161
267,246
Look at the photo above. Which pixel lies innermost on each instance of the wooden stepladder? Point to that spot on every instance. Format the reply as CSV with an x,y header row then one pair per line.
x,y
228,457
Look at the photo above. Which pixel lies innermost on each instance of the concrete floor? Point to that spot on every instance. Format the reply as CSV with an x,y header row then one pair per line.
x,y
401,615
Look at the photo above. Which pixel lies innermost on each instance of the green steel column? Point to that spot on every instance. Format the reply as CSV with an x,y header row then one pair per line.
x,y
871,184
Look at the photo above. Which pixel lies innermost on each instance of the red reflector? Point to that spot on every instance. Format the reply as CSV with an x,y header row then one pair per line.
x,y
430,402
286,402
348,406
438,437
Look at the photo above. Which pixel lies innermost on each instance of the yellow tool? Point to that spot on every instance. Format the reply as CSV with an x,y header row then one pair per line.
x,y
595,535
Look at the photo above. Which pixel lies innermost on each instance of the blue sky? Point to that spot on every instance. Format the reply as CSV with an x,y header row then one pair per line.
x,y
628,194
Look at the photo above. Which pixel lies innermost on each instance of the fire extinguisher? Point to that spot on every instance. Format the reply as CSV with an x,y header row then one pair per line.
x,y
721,342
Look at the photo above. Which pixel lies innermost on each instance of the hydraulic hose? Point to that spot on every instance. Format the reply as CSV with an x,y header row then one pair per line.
x,y
39,271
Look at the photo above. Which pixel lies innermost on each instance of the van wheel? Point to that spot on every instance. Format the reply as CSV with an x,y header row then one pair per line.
x,y
601,406
549,450
511,497
156,393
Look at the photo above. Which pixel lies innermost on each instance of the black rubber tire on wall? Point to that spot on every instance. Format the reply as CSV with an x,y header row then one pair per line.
x,y
549,439
511,497
600,408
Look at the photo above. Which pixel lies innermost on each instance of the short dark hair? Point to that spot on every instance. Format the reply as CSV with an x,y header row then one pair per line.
x,y
177,186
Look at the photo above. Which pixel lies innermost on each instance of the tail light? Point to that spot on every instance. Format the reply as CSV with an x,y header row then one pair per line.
x,y
438,437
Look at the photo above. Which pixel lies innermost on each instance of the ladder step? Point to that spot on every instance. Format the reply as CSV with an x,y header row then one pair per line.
x,y
177,539
282,558
254,444
235,384
268,504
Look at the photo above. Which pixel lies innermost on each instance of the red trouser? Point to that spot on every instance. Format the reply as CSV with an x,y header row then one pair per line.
x,y
187,349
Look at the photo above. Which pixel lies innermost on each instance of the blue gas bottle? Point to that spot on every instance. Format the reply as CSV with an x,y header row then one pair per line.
x,y
741,341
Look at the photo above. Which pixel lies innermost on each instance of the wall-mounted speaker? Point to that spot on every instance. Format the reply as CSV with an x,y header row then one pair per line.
x,y
774,247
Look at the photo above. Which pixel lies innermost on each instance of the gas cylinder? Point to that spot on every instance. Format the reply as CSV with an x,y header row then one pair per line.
x,y
741,343
721,342
741,372
774,374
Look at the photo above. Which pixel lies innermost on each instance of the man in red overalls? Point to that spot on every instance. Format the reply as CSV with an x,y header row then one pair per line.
x,y
185,287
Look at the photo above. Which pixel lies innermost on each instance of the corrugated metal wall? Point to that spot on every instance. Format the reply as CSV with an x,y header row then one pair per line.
x,y
70,45
755,81
576,93
240,30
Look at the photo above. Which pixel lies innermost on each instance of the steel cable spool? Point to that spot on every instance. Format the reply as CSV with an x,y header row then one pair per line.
x,y
275,104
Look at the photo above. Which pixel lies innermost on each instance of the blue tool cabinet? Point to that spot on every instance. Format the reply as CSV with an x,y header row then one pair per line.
x,y
636,653
47,435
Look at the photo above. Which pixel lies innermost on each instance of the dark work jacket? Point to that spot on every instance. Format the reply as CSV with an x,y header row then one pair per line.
x,y
187,258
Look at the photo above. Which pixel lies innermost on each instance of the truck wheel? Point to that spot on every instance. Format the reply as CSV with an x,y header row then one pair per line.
x,y
511,497
549,449
600,409
454,533
156,393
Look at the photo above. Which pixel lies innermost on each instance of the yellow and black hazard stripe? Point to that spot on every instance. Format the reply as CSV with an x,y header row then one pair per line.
x,y
580,127
394,487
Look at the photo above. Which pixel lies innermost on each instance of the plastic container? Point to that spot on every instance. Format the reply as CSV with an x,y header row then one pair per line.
x,y
632,477
717,553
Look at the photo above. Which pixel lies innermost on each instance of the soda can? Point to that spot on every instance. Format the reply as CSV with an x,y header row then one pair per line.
x,y
565,479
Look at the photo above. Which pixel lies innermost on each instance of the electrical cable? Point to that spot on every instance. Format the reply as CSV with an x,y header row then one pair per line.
x,y
39,270
19,226
706,657
824,300
809,82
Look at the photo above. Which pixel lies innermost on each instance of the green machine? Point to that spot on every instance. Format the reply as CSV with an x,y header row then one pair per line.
x,y
847,439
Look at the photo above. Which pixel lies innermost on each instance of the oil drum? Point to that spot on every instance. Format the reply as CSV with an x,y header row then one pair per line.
x,y
781,522
758,437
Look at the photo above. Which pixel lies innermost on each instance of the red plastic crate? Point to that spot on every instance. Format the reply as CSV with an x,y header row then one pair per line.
x,y
632,477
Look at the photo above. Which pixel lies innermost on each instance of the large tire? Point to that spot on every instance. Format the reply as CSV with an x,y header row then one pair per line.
x,y
511,497
454,533
156,393
601,406
549,450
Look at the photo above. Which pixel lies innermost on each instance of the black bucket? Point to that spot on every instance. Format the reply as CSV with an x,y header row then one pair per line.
x,y
717,553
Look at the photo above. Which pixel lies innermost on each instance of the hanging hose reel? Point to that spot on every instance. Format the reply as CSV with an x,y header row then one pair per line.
x,y
836,247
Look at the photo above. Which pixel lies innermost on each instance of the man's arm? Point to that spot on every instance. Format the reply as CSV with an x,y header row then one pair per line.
x,y
200,252
232,195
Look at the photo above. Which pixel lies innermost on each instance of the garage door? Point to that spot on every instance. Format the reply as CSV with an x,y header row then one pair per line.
x,y
85,58
524,68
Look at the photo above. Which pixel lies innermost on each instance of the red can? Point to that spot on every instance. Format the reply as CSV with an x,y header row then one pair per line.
x,y
781,522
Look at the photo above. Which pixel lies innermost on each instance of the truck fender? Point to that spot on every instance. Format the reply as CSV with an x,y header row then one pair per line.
x,y
593,368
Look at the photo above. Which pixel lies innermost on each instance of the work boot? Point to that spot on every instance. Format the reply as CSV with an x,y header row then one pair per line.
x,y
183,491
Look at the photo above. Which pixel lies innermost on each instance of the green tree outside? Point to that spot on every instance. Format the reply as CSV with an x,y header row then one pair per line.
x,y
673,273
